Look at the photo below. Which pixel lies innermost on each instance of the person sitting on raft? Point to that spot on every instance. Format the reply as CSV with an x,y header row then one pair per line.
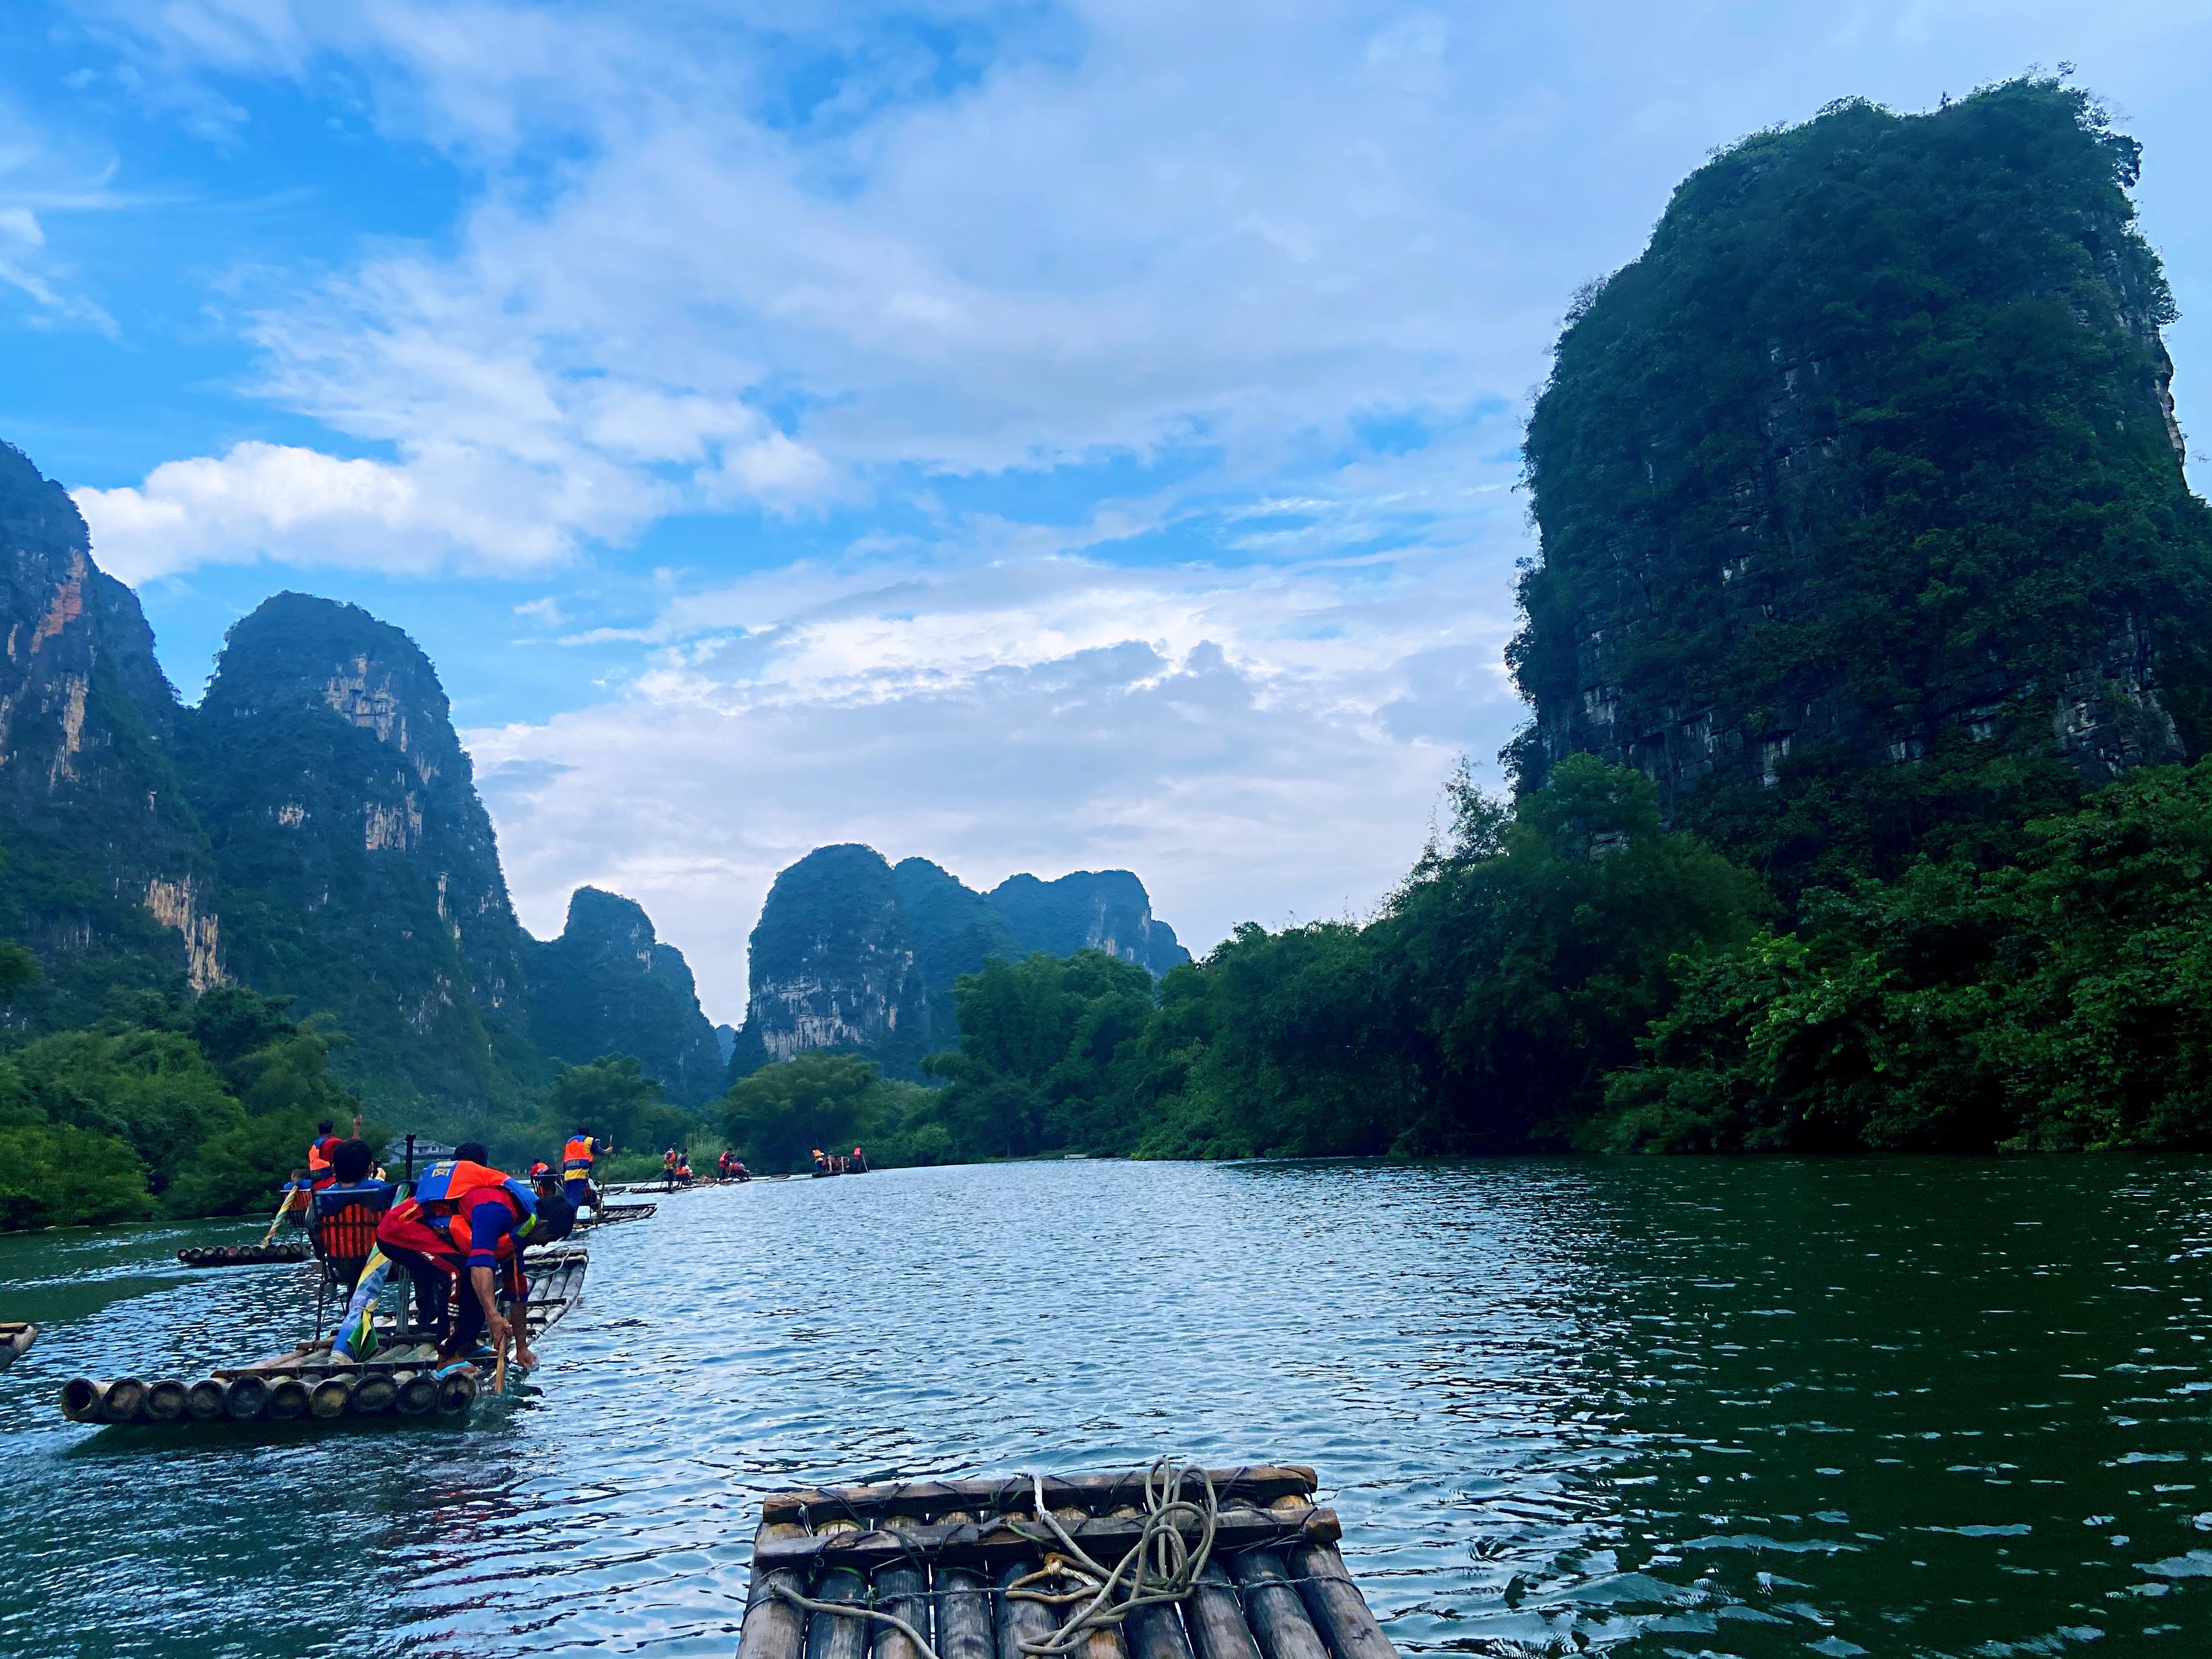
x,y
462,1230
576,1160
821,1162
326,1142
355,1175
684,1176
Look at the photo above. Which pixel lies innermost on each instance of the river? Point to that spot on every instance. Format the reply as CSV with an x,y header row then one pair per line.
x,y
1638,1406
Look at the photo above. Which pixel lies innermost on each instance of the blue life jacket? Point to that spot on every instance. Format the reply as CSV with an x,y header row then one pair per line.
x,y
437,1186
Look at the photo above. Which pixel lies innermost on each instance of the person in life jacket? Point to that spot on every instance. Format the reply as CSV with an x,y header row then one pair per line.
x,y
821,1162
576,1160
462,1230
858,1162
319,1150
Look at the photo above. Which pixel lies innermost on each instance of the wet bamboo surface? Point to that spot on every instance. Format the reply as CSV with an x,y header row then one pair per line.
x,y
241,1255
942,1553
304,1385
606,1213
15,1340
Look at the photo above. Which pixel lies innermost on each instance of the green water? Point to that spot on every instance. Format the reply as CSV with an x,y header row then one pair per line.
x,y
1641,1407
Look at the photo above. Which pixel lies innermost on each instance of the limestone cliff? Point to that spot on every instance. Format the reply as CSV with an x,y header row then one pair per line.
x,y
107,877
608,985
1864,530
360,868
852,955
832,966
1104,910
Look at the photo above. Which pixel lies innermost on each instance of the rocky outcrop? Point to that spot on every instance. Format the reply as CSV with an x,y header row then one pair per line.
x,y
360,868
107,878
1104,910
854,955
832,966
608,985
1859,492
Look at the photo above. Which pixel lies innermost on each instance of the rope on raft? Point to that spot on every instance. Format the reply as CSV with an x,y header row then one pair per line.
x,y
1160,1566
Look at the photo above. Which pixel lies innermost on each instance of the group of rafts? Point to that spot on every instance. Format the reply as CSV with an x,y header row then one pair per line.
x,y
412,1340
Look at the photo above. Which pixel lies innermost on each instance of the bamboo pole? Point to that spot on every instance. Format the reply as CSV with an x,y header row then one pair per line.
x,y
203,1400
1273,1608
166,1400
902,1590
1101,1642
418,1392
773,1628
457,1392
82,1397
375,1395
331,1397
1021,1621
1155,1631
1216,1618
964,1610
246,1397
832,1635
124,1400
288,1400
1339,1611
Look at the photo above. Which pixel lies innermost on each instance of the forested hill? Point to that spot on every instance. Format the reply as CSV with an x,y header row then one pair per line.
x,y
1864,528
310,831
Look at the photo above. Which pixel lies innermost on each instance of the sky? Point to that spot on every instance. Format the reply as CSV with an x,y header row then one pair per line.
x,y
1035,437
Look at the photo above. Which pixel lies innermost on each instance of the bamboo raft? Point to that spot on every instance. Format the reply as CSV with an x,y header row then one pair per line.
x,y
607,1214
957,1560
304,1385
16,1341
241,1255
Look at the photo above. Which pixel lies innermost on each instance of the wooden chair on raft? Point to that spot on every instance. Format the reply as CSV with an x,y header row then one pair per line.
x,y
343,1231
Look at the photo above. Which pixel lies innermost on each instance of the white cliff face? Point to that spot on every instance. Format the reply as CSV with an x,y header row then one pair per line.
x,y
179,904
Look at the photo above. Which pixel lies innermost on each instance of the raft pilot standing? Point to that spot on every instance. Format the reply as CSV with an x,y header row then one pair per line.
x,y
576,1160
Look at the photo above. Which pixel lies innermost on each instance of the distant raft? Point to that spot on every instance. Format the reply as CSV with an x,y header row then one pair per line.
x,y
15,1342
607,1214
1035,1567
306,1386
241,1255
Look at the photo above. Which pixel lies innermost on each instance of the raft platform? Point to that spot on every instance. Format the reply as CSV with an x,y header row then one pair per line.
x,y
16,1341
607,1214
239,1255
304,1385
973,1568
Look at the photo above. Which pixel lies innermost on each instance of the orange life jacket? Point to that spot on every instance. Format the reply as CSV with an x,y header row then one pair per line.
x,y
577,1154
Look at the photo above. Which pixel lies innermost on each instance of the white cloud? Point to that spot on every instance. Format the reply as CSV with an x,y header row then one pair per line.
x,y
1255,745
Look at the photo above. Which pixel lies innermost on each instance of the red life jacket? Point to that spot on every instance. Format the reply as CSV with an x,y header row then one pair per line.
x,y
576,1156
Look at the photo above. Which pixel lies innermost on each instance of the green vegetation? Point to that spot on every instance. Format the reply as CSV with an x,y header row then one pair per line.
x,y
170,1106
778,1116
1868,458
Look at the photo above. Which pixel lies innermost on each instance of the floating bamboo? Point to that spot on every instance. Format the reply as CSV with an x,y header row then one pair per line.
x,y
1274,1585
307,1386
241,1255
14,1340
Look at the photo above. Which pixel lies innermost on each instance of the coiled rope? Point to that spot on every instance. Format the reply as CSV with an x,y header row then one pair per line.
x,y
1161,1566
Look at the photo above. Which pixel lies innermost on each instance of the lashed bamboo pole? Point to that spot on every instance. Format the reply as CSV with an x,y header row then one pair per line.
x,y
836,1636
963,1609
1216,1618
167,1400
1272,1608
773,1628
902,1590
1339,1611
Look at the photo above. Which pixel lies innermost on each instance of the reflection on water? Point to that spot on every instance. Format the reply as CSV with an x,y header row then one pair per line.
x,y
1752,1407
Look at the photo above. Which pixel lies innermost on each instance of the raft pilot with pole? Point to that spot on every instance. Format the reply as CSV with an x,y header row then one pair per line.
x,y
576,1161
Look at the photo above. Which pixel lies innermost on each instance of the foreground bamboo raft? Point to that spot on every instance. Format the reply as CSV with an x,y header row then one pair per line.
x,y
952,1557
14,1340
304,1385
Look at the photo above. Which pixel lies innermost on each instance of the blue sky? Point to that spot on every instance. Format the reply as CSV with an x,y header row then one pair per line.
x,y
1038,437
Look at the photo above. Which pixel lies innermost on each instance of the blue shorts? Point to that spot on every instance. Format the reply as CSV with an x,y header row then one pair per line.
x,y
577,1190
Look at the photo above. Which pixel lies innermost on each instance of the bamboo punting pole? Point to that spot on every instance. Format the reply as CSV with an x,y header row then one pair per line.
x,y
1272,1606
901,1590
1217,1618
1339,1611
773,1628
166,1400
964,1610
1021,1621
